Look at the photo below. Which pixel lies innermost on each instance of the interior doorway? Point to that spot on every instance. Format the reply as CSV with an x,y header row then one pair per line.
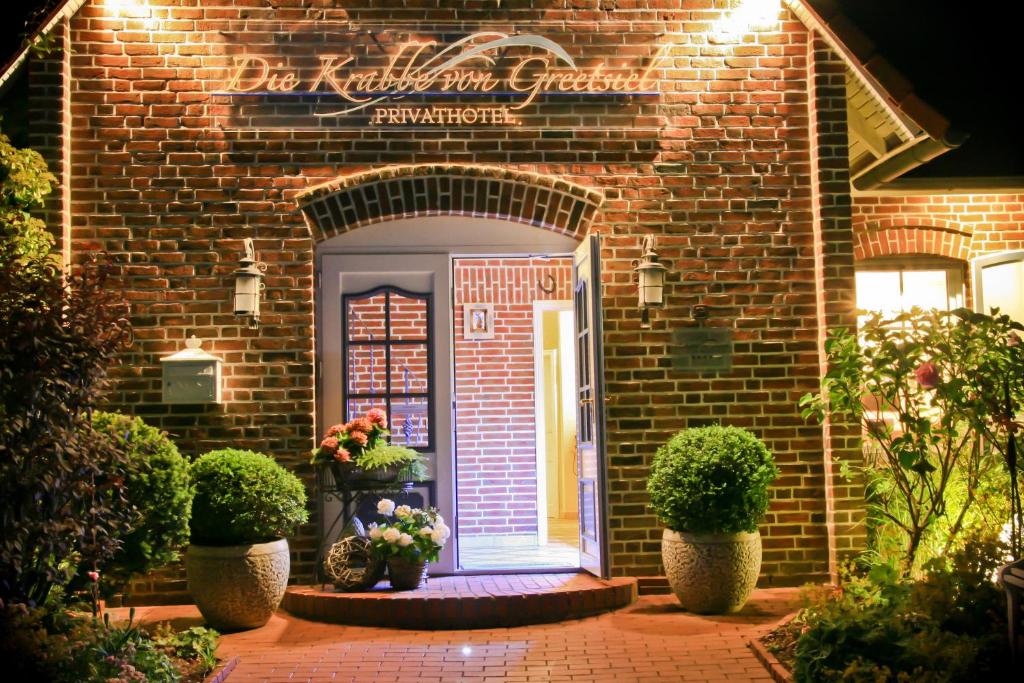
x,y
514,413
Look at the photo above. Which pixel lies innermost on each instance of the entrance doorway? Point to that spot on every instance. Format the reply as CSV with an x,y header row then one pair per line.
x,y
546,384
514,412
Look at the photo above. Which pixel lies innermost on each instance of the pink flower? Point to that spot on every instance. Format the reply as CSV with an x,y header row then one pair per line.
x,y
342,455
1013,340
94,576
359,437
361,424
378,417
927,375
335,430
330,443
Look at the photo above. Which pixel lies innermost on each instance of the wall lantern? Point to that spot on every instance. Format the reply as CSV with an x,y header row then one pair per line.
x,y
650,280
248,285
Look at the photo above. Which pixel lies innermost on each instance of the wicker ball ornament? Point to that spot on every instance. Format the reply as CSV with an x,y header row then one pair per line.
x,y
352,565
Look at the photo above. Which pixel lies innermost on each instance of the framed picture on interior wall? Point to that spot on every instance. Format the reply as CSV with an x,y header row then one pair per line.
x,y
479,321
421,495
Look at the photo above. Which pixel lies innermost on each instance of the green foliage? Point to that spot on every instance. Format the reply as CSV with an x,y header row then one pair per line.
x,y
929,389
60,647
408,462
24,184
243,497
158,487
949,626
712,480
197,643
61,483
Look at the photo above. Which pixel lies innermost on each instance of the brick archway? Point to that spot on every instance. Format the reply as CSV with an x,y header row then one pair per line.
x,y
394,192
906,236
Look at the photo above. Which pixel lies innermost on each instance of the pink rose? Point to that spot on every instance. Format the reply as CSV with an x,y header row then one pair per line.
x,y
927,375
359,437
330,443
342,455
378,417
94,576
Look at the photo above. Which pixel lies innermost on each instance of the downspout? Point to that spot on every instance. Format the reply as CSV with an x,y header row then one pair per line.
x,y
907,156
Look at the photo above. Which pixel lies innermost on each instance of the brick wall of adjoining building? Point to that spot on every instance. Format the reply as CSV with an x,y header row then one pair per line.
x,y
496,456
961,226
718,166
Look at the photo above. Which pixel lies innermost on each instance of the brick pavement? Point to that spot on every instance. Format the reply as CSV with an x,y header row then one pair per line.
x,y
652,640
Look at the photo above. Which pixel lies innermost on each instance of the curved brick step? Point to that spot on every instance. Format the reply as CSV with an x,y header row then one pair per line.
x,y
461,602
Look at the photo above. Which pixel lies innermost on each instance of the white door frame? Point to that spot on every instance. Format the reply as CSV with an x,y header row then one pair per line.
x,y
445,237
539,418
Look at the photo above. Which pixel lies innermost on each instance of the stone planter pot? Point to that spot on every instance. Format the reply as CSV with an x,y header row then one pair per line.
x,y
711,573
406,575
239,586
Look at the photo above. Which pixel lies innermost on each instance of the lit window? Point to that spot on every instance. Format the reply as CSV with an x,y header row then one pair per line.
x,y
896,286
999,283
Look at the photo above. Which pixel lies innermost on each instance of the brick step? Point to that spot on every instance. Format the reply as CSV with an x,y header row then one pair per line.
x,y
464,602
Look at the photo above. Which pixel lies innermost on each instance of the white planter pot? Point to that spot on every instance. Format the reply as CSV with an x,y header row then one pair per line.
x,y
711,573
239,586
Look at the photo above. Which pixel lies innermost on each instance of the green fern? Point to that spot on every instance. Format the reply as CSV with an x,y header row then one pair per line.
x,y
409,463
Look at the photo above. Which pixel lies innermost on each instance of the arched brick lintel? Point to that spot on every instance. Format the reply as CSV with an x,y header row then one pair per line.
x,y
394,192
941,238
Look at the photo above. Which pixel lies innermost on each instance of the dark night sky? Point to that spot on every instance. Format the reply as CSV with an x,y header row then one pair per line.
x,y
963,58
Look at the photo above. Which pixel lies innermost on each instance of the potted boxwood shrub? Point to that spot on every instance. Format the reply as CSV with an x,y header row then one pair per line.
x,y
244,506
709,486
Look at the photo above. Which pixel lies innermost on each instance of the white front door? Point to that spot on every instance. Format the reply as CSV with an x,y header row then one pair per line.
x,y
384,341
592,468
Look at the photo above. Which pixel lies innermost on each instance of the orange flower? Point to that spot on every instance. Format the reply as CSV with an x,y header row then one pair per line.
x,y
336,430
361,424
330,443
378,417
359,437
342,455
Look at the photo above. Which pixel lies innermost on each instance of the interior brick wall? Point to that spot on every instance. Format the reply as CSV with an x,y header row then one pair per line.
x,y
496,431
718,166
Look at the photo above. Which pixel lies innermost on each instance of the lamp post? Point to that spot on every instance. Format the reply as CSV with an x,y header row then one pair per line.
x,y
650,281
248,285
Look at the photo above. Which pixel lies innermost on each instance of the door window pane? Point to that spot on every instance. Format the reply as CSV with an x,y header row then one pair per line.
x,y
388,353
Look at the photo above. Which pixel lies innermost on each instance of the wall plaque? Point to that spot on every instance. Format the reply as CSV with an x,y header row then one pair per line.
x,y
700,349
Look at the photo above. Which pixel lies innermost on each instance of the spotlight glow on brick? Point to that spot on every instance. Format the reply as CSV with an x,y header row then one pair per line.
x,y
466,650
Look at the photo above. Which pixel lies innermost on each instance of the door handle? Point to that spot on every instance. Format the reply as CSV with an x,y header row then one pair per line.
x,y
585,401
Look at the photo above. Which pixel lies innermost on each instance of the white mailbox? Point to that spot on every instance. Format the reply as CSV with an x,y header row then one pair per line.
x,y
191,375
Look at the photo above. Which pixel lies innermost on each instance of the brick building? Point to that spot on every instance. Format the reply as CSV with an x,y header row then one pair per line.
x,y
458,157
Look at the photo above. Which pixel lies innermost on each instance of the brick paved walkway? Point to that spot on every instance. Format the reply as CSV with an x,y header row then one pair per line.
x,y
651,640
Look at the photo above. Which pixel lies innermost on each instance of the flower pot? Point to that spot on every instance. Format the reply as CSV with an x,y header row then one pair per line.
x,y
711,573
406,575
239,586
350,472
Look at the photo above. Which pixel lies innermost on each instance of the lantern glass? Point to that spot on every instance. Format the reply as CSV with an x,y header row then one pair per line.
x,y
246,294
652,286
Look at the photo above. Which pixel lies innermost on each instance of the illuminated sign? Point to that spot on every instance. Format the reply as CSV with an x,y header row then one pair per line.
x,y
487,78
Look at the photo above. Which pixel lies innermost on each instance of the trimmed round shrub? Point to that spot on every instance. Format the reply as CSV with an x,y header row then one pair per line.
x,y
244,497
711,480
157,485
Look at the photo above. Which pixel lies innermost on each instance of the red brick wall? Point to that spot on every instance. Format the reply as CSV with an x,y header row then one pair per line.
x,y
718,166
495,392
960,226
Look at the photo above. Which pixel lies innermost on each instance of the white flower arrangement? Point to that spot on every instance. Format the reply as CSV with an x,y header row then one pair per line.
x,y
413,534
